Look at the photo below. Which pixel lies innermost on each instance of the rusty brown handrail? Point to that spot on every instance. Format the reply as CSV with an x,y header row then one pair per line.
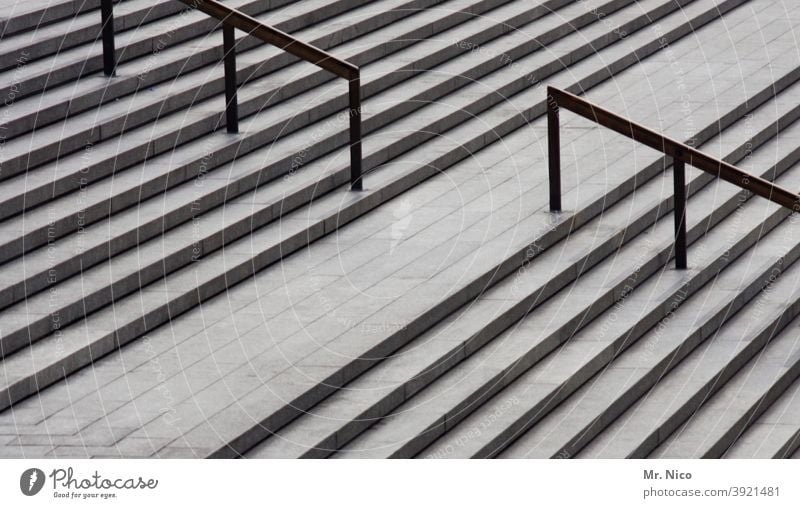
x,y
681,154
232,18
276,37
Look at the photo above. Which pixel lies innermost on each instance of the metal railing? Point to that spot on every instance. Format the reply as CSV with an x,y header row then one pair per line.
x,y
232,19
680,153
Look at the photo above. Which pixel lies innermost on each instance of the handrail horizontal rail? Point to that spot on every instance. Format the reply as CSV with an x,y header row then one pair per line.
x,y
277,38
681,154
231,19
675,149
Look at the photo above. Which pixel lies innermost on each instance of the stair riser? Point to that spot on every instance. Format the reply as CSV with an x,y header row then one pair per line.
x,y
788,449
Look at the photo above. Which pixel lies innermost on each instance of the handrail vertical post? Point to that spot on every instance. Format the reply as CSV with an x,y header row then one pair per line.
x,y
679,184
231,100
107,23
355,134
554,153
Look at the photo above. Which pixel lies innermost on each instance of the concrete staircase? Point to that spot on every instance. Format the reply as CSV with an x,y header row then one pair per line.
x,y
169,289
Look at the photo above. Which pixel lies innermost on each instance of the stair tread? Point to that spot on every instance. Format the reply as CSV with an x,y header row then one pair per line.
x,y
15,17
707,432
774,433
81,28
685,381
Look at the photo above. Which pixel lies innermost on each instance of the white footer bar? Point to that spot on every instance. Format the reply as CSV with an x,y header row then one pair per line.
x,y
389,484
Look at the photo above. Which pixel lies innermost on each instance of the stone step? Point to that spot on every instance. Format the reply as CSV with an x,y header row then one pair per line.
x,y
724,416
153,182
693,381
776,433
49,39
455,404
346,413
202,117
72,341
626,382
16,18
65,67
154,76
88,211
687,387
70,264
566,430
137,95
432,354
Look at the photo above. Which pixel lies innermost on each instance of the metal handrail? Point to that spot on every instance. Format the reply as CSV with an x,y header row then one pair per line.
x,y
231,19
681,154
